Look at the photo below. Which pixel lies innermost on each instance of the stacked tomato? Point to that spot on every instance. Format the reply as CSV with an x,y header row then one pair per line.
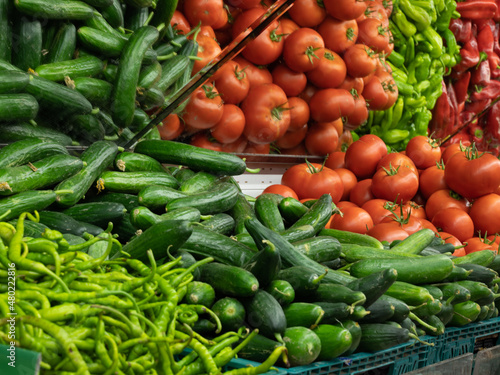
x,y
454,191
299,87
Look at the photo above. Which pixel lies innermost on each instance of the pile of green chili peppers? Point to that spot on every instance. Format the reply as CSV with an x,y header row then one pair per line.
x,y
91,315
419,62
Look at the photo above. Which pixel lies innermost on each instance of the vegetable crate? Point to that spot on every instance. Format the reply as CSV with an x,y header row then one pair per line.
x,y
461,365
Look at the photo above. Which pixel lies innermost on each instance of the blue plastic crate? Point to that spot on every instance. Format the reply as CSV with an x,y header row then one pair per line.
x,y
237,363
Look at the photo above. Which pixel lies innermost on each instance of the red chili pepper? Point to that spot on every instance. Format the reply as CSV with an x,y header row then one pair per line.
x,y
490,91
485,38
461,87
477,9
493,123
461,29
469,54
461,137
481,75
476,132
494,63
496,17
496,39
477,106
441,120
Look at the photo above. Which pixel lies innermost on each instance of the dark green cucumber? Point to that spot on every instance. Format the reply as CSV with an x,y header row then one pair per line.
x,y
258,348
149,76
130,201
134,162
63,45
223,249
246,239
129,66
481,258
464,313
97,213
379,311
422,270
494,265
434,322
222,197
401,309
266,210
345,237
114,14
335,341
458,273
199,293
302,278
357,313
230,281
97,21
333,311
12,82
412,295
61,222
221,223
434,291
198,182
95,90
26,201
124,229
380,336
265,313
86,129
86,66
135,18
231,313
427,309
355,330
142,217
29,150
193,157
98,3
485,309
110,128
181,173
140,120
415,243
38,175
163,237
374,284
27,48
478,272
134,182
98,157
163,13
17,107
282,291
171,70
291,209
265,265
55,9
101,41
241,210
32,228
303,345
334,293
5,30
455,291
320,248
478,290
156,197
24,130
446,312
303,314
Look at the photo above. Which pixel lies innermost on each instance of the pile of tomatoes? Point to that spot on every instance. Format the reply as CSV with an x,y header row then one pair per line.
x,y
454,190
299,87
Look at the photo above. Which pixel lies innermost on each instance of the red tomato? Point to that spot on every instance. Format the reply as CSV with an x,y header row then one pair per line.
x,y
266,113
207,12
451,150
378,209
375,34
338,35
431,180
208,50
282,190
335,160
299,113
353,219
307,13
396,159
180,23
395,184
485,213
415,210
256,75
254,148
474,244
299,150
202,140
424,151
292,82
351,84
222,23
288,26
204,108
361,192
303,49
232,83
208,31
449,238
308,92
170,127
330,72
444,198
390,88
409,224
454,221
244,4
312,180
349,180
345,9
428,225
230,127
360,60
331,104
237,146
321,139
375,94
472,177
387,232
345,140
364,154
342,205
291,138
360,114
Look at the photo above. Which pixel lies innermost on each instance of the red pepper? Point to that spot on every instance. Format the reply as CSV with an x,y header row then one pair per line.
x,y
477,9
490,91
496,39
481,75
442,121
462,29
485,38
496,17
476,132
461,137
477,106
493,122
461,87
469,54
494,63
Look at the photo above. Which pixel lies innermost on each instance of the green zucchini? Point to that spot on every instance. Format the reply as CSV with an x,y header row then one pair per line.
x,y
156,197
61,222
345,237
134,182
230,281
375,284
199,293
291,209
24,130
231,313
55,9
303,345
63,45
220,223
12,82
97,213
17,107
481,258
282,291
333,311
319,248
335,341
86,66
266,210
95,90
27,34
415,242
29,150
380,336
337,293
266,314
464,313
27,201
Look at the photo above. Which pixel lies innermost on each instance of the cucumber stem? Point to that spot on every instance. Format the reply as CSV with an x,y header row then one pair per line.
x,y
415,337
414,317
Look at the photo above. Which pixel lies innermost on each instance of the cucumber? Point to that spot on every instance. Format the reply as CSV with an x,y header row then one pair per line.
x,y
303,314
335,293
198,182
171,70
86,66
335,341
149,76
123,96
130,201
455,291
29,150
221,223
345,237
380,336
230,281
333,311
266,210
282,291
114,14
265,265
353,253
423,270
427,309
291,209
266,314
24,130
142,218
241,210
98,157
31,228
163,13
101,42
17,107
358,312
434,291
481,258
458,273
160,238
259,348
134,182
302,278
86,129
5,30
479,273
220,198
27,201
27,49
320,248
434,322
303,345
39,174
62,222
379,311
95,90
485,309
193,157
182,173
375,284
12,82
231,313
124,229
464,313
135,18
478,290
55,9
446,312
98,3
199,293
156,197
63,45
415,242
410,294
401,309
355,330
97,213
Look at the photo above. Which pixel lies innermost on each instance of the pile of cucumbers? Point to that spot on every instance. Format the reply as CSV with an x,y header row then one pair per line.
x,y
322,293
83,71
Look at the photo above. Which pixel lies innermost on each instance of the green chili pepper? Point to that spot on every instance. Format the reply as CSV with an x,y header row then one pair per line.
x,y
422,86
422,70
396,59
412,79
397,34
413,103
422,119
406,27
444,18
404,88
419,15
397,112
429,7
435,40
410,50
395,135
387,120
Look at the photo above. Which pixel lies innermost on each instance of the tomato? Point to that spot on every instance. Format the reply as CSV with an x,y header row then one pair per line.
x,y
201,139
395,184
268,46
266,114
288,26
353,219
444,199
291,138
387,232
485,213
237,146
360,60
451,150
292,82
282,190
415,210
171,127
330,72
348,180
254,148
244,4
256,75
428,225
375,94
338,35
454,221
331,104
307,13
351,84
299,150
409,224
345,9
299,113
390,88
474,174
395,159
206,12
204,108
222,22
360,114
308,92
361,192
312,180
345,140
303,49
375,10
449,238
180,23
474,244
375,34
321,139
431,180
230,127
207,31
378,209
232,83
208,50
335,160
424,151
364,154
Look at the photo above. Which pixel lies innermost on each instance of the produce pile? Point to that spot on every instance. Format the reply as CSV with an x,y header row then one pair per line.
x,y
159,246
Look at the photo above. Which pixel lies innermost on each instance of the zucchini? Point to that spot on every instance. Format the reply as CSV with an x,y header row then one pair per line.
x,y
282,291
374,285
97,213
303,314
55,9
97,91
379,311
266,210
27,201
220,223
156,197
18,107
230,281
333,293
303,345
12,82
302,278
61,222
481,258
193,157
415,242
134,182
335,341
29,150
319,248
63,45
291,209
345,237
27,53
199,293
333,311
198,182
380,336
231,313
464,313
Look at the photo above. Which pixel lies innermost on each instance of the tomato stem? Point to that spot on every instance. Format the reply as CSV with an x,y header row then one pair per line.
x,y
310,53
